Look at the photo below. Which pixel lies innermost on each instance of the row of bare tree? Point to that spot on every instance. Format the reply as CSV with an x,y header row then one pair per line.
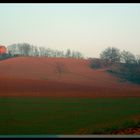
x,y
25,49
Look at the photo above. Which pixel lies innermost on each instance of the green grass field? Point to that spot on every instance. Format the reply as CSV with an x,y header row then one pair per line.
x,y
65,115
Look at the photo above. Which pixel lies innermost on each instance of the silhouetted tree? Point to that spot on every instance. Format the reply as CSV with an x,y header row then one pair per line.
x,y
42,51
13,49
111,55
36,51
138,59
68,53
60,68
26,49
127,57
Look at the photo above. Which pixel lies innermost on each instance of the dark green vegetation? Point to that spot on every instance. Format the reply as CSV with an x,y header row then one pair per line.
x,y
5,56
122,64
66,115
129,72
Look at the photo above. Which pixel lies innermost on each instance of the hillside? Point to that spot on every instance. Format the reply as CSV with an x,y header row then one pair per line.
x,y
59,77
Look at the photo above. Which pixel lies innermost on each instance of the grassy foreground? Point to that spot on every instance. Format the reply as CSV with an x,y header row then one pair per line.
x,y
26,115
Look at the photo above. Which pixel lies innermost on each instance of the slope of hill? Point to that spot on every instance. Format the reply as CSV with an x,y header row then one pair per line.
x,y
61,77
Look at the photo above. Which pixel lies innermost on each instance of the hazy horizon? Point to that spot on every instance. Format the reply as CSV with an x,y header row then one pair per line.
x,y
88,28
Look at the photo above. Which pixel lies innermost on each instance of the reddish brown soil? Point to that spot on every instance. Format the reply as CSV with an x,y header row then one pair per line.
x,y
38,76
131,131
135,131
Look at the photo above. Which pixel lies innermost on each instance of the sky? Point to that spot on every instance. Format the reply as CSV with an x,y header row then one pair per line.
x,y
85,27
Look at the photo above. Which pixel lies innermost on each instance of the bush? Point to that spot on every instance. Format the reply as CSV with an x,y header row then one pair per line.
x,y
5,56
130,72
97,63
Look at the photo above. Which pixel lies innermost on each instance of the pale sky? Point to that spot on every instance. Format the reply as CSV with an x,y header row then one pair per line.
x,y
88,28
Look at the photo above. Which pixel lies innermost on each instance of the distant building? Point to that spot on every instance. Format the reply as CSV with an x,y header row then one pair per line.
x,y
3,49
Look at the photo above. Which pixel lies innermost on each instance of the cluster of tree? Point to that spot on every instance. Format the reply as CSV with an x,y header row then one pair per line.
x,y
121,63
25,49
112,55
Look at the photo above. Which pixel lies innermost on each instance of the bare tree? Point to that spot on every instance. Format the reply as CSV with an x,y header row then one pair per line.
x,y
42,51
78,55
26,49
111,55
68,53
60,68
48,52
36,51
138,59
13,49
127,57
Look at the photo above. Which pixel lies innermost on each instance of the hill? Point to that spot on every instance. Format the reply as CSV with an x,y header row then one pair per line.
x,y
59,77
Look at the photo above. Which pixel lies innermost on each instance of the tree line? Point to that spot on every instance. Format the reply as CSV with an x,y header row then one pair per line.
x,y
26,49
113,55
121,63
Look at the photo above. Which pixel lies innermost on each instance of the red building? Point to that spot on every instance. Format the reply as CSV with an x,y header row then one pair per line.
x,y
3,49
